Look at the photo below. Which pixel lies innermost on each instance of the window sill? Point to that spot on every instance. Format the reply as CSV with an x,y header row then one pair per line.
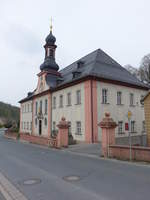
x,y
79,134
134,132
132,105
68,105
120,104
78,104
105,103
122,133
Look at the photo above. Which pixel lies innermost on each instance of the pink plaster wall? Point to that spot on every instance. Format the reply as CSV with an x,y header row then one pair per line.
x,y
90,90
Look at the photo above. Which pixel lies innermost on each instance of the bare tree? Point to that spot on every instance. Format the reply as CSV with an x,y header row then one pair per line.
x,y
144,68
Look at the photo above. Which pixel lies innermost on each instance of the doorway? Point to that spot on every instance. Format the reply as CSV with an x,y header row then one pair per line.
x,y
40,127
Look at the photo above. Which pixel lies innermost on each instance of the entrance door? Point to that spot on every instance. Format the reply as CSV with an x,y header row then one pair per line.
x,y
40,127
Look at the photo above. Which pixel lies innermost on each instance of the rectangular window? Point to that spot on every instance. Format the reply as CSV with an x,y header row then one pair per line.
x,y
104,96
30,125
78,96
27,125
35,121
36,108
69,99
24,125
41,106
69,129
45,106
120,127
54,102
132,126
131,99
61,101
78,128
143,127
119,98
54,126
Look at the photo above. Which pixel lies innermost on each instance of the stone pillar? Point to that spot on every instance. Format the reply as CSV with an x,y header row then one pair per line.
x,y
62,137
108,133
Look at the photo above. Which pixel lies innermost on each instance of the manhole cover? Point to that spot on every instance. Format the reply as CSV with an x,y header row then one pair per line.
x,y
71,178
31,181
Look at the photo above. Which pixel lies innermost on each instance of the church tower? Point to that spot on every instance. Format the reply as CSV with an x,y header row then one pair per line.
x,y
50,48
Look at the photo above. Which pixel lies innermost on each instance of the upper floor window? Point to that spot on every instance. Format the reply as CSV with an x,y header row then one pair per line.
x,y
131,99
61,101
78,128
69,99
54,102
36,107
132,126
119,98
41,106
45,106
104,96
141,100
28,107
78,96
120,127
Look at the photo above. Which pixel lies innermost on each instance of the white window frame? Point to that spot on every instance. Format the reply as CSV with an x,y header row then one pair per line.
x,y
104,96
119,98
78,128
78,97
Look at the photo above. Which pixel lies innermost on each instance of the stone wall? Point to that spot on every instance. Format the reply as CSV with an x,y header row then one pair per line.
x,y
122,152
34,139
136,140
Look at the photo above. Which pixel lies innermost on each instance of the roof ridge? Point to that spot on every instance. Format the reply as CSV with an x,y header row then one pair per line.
x,y
79,59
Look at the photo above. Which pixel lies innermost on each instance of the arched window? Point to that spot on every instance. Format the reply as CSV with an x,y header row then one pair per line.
x,y
45,121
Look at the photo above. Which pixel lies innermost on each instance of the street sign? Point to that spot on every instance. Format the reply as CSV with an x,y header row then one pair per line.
x,y
129,114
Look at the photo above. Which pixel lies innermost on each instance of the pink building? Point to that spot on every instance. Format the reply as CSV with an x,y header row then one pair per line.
x,y
82,92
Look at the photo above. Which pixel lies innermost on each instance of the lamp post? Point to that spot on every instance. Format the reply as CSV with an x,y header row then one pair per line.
x,y
130,141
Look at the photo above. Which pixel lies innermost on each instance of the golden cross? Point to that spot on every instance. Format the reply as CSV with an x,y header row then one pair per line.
x,y
51,27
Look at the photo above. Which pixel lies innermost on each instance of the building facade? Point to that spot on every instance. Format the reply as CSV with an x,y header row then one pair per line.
x,y
82,92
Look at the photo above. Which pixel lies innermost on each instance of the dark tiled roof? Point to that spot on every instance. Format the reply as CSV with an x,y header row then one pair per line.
x,y
100,65
97,64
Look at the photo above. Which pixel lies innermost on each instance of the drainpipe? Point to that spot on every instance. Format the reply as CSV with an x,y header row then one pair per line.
x,y
92,110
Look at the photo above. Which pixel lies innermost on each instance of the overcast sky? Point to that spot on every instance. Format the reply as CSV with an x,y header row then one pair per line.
x,y
120,27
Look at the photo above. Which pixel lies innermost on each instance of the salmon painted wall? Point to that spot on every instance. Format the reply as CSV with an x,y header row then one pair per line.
x,y
91,127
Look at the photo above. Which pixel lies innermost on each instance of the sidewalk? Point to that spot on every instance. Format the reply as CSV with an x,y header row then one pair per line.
x,y
87,149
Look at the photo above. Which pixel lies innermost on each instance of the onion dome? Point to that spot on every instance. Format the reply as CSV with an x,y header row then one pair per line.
x,y
50,39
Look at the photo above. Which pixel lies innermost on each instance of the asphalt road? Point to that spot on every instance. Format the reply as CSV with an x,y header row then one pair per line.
x,y
99,179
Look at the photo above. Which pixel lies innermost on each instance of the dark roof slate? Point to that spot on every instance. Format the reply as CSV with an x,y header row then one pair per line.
x,y
101,65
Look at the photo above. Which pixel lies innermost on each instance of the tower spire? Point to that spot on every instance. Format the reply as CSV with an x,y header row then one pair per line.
x,y
51,26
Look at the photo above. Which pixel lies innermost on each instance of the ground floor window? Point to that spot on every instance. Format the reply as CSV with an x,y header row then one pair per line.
x,y
78,128
132,126
69,129
143,127
120,127
45,121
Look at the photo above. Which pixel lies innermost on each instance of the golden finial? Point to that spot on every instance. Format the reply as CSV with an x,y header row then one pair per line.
x,y
51,27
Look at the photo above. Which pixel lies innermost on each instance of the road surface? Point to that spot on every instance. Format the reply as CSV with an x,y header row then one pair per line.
x,y
97,179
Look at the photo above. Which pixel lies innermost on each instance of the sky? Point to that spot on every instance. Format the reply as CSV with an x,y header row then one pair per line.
x,y
120,28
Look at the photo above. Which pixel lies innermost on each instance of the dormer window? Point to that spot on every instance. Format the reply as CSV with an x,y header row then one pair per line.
x,y
80,64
